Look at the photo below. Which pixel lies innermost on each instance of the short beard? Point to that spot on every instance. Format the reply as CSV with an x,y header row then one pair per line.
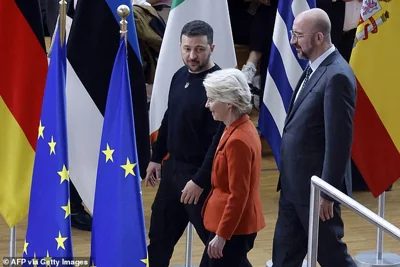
x,y
201,67
304,56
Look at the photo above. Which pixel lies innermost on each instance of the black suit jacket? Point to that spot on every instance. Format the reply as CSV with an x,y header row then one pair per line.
x,y
318,131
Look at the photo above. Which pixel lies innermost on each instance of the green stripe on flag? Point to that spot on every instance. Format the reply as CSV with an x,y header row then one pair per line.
x,y
176,3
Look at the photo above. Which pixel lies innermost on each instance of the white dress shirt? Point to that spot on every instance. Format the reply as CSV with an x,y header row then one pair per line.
x,y
315,64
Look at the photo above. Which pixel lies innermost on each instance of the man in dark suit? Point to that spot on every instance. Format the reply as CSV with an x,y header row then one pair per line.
x,y
343,32
316,140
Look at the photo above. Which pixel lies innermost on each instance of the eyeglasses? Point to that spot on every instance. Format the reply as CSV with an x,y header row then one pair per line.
x,y
295,36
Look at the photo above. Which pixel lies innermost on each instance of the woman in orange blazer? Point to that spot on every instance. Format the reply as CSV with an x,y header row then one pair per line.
x,y
233,212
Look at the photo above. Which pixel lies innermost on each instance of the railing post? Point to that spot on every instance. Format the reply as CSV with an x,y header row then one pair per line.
x,y
378,257
366,259
313,226
189,243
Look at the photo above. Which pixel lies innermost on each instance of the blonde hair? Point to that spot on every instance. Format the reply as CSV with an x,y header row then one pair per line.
x,y
229,86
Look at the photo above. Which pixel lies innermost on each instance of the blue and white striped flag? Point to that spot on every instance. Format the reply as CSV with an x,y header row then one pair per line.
x,y
284,71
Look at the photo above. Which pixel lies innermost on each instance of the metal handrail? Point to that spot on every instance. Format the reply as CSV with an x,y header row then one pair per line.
x,y
318,185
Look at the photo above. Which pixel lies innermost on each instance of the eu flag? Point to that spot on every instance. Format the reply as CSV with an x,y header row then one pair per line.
x,y
49,227
118,232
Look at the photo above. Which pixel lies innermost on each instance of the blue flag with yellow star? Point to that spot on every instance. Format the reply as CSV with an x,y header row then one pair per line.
x,y
48,233
118,232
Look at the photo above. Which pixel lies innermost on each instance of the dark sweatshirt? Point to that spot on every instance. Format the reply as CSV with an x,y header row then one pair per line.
x,y
188,127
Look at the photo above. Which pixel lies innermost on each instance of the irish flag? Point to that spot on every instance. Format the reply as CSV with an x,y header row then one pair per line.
x,y
375,60
215,13
23,70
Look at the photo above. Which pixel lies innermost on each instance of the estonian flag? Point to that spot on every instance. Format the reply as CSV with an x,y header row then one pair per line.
x,y
92,45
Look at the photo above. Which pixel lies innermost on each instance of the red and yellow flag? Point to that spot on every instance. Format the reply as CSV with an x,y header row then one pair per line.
x,y
23,70
375,61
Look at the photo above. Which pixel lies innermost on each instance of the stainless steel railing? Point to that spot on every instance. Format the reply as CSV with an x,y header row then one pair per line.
x,y
318,185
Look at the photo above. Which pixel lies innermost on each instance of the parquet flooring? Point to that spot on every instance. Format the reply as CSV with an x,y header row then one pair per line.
x,y
360,235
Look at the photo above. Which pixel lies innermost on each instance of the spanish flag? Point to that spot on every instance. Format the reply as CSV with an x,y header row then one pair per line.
x,y
375,60
23,69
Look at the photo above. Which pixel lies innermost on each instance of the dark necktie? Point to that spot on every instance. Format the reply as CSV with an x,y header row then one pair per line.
x,y
307,77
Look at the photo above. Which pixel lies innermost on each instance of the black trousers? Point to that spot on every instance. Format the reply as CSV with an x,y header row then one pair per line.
x,y
234,252
262,28
345,44
252,30
291,238
170,217
76,200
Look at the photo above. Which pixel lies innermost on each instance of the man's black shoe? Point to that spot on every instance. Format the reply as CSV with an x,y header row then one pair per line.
x,y
81,220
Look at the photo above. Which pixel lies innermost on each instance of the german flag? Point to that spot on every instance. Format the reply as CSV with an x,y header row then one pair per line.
x,y
375,62
23,70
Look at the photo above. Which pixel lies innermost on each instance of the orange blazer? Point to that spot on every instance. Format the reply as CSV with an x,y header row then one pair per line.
x,y
233,206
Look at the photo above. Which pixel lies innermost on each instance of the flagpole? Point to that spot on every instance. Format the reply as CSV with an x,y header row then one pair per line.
x,y
123,12
63,20
381,213
13,244
378,257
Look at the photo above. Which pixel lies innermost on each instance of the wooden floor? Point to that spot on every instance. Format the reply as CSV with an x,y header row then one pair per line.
x,y
359,234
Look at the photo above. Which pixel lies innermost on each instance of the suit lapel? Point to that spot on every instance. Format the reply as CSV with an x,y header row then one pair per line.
x,y
316,76
229,130
225,137
294,95
310,85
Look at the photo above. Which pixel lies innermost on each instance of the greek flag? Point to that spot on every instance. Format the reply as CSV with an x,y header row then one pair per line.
x,y
284,71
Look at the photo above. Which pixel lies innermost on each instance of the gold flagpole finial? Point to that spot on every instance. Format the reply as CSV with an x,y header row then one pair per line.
x,y
123,12
63,20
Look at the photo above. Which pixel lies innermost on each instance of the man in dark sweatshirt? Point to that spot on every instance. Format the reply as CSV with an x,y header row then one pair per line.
x,y
186,133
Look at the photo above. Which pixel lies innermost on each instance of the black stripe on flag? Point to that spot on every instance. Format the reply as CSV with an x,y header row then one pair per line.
x,y
92,46
31,11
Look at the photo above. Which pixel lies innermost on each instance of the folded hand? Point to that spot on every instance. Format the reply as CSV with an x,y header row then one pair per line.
x,y
325,209
215,247
191,193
